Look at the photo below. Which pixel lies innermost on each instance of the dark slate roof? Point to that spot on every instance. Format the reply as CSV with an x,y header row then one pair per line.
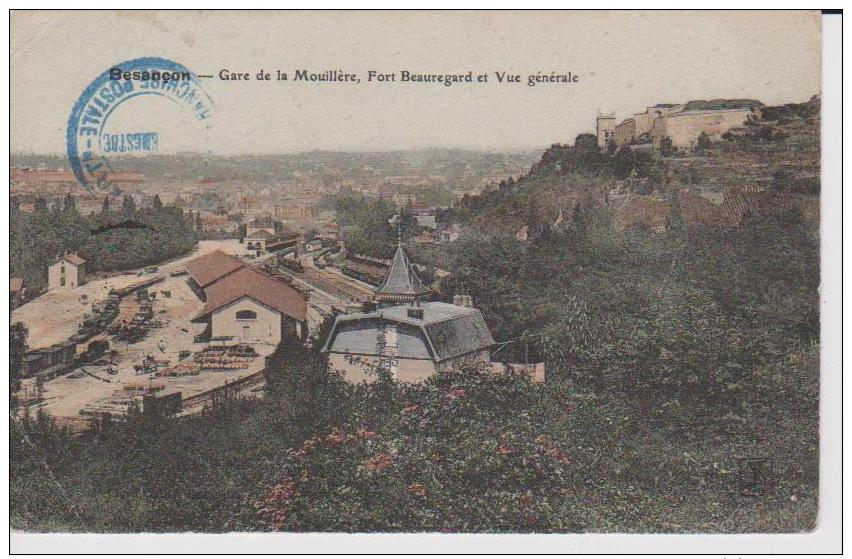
x,y
265,221
462,334
449,330
401,278
361,337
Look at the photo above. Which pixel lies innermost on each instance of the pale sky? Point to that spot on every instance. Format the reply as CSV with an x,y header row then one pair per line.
x,y
624,61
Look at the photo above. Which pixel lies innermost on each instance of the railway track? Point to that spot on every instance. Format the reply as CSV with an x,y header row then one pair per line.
x,y
348,292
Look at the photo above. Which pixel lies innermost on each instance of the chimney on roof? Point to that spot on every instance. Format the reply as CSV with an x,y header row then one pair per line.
x,y
463,301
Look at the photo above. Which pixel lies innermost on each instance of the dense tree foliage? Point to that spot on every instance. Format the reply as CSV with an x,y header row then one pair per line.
x,y
17,349
366,226
670,358
105,239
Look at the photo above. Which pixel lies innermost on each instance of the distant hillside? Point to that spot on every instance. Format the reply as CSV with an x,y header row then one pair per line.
x,y
771,164
453,163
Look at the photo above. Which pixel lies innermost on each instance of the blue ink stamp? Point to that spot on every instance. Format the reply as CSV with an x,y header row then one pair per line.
x,y
89,142
130,142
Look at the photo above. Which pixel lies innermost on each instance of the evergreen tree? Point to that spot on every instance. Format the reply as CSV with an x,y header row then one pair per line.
x,y
17,349
128,206
703,143
158,204
667,147
69,203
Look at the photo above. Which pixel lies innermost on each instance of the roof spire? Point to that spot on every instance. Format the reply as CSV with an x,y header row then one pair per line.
x,y
401,283
396,219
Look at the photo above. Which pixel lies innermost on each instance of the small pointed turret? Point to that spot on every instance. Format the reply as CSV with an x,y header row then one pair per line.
x,y
401,284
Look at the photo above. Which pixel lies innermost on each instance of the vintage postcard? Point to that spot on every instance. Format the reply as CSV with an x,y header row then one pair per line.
x,y
415,272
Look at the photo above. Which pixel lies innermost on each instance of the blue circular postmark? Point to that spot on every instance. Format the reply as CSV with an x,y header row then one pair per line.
x,y
87,145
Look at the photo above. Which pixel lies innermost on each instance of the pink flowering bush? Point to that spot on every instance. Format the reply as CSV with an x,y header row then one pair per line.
x,y
448,455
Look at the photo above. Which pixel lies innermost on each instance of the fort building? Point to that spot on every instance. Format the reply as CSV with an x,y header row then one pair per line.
x,y
683,124
605,130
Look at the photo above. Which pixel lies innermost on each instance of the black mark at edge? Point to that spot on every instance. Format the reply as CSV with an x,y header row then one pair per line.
x,y
126,224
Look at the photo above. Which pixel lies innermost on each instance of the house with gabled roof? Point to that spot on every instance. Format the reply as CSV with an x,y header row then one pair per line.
x,y
407,336
67,272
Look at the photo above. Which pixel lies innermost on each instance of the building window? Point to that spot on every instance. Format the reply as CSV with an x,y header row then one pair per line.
x,y
246,315
62,270
62,281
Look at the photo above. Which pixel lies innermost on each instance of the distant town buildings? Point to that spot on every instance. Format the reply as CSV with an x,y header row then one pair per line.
x,y
66,273
61,178
258,240
448,233
263,223
425,216
293,211
217,221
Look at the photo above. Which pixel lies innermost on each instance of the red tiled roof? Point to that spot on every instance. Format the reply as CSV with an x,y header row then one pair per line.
x,y
24,175
263,288
211,267
15,284
74,258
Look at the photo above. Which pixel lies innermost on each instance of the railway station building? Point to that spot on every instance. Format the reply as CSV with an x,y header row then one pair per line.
x,y
244,303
